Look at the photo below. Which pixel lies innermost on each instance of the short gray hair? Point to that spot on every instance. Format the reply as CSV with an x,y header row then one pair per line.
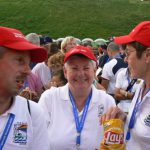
x,y
112,46
33,38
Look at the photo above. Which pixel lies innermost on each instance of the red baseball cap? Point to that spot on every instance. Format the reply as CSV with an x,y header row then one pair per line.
x,y
141,34
14,39
87,52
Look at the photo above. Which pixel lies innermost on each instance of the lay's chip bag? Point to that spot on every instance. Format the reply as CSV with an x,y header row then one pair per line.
x,y
113,135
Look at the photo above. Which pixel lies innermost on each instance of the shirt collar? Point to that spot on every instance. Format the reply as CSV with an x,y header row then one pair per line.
x,y
65,93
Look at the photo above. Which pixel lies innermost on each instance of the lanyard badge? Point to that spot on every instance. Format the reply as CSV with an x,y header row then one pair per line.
x,y
79,123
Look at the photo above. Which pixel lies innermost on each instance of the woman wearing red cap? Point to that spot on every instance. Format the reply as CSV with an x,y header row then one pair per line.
x,y
137,123
73,111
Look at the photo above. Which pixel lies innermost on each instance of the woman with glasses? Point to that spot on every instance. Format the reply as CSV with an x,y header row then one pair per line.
x,y
137,122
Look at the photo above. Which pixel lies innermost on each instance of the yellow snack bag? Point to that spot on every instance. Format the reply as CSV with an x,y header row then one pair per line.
x,y
113,135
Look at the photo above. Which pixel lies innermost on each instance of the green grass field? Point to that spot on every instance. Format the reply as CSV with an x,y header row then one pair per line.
x,y
79,18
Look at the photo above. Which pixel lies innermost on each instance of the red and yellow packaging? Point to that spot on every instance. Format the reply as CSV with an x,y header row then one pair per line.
x,y
113,135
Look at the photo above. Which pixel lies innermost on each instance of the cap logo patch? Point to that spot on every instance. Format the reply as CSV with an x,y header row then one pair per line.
x,y
18,35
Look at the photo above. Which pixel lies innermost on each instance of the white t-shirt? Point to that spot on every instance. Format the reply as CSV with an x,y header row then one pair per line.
x,y
28,131
140,134
60,119
43,72
122,82
108,74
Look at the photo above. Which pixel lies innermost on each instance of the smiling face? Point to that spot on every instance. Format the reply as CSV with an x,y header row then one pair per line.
x,y
138,65
79,72
14,66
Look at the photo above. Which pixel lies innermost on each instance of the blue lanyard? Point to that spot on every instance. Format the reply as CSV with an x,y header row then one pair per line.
x,y
79,124
133,116
6,130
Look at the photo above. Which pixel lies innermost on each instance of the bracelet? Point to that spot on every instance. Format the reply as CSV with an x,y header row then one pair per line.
x,y
126,94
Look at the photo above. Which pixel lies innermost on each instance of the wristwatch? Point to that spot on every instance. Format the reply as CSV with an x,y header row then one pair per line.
x,y
126,94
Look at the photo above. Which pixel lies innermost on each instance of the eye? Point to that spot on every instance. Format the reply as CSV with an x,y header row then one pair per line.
x,y
74,68
86,68
20,61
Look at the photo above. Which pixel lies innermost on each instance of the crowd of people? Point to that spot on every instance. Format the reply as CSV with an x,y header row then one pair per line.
x,y
57,94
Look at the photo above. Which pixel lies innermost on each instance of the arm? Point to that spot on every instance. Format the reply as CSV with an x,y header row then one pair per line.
x,y
105,83
121,94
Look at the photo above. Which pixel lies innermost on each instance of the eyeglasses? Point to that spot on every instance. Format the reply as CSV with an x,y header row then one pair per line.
x,y
128,53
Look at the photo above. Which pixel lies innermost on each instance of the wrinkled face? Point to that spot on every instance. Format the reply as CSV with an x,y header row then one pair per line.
x,y
14,68
138,66
79,71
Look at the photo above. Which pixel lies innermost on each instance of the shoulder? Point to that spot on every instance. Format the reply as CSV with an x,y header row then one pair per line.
x,y
22,105
102,96
110,64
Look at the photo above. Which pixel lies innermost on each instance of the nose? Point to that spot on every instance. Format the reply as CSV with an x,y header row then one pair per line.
x,y
126,59
26,69
81,72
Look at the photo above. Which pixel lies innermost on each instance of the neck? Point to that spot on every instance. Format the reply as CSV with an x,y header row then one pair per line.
x,y
80,98
5,104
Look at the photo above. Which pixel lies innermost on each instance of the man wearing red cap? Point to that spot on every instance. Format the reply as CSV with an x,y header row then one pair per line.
x,y
22,124
73,110
137,127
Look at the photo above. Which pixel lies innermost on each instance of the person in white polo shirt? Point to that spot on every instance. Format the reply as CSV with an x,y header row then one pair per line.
x,y
73,111
137,122
22,123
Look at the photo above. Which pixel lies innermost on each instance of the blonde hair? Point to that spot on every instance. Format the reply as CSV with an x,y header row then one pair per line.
x,y
65,41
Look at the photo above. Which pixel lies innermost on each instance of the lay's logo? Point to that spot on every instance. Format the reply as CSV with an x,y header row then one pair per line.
x,y
114,138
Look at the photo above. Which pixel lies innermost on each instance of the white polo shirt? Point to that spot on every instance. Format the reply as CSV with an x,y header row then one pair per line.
x,y
122,82
140,134
28,131
42,71
108,74
60,119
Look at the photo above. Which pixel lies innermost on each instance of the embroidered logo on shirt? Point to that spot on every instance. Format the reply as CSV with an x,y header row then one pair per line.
x,y
20,133
147,120
100,110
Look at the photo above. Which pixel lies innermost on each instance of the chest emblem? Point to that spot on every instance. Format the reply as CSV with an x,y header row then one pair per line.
x,y
100,110
20,133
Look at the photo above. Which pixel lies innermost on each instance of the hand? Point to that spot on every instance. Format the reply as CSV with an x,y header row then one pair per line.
x,y
50,84
28,94
112,113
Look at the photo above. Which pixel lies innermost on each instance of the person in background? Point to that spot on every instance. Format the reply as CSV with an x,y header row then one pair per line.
x,y
67,43
34,39
41,70
137,122
111,68
22,122
55,64
104,58
58,79
125,89
32,87
73,110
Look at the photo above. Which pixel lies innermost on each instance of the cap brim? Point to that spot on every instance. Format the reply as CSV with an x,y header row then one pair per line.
x,y
84,54
38,54
123,39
